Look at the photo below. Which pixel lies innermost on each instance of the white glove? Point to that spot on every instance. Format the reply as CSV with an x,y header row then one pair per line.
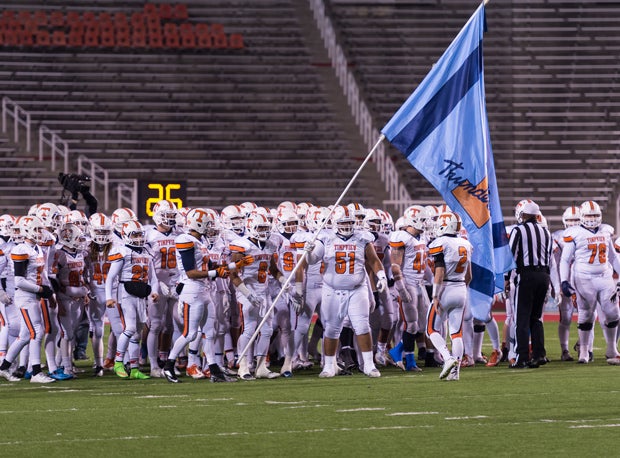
x,y
255,300
297,301
382,282
5,298
165,291
309,246
403,291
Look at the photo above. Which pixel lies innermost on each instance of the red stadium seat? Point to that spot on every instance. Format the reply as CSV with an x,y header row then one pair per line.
x,y
220,41
204,41
137,19
24,16
202,29
42,38
217,29
107,39
91,38
76,38
138,39
165,11
8,14
150,8
11,38
40,17
122,38
153,20
26,38
156,41
236,41
104,16
180,11
57,19
120,18
186,27
88,16
188,40
59,38
73,17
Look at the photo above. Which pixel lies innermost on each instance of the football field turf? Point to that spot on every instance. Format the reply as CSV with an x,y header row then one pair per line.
x,y
560,409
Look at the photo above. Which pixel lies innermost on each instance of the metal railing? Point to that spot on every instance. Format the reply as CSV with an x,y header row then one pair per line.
x,y
20,118
98,177
57,146
399,196
127,196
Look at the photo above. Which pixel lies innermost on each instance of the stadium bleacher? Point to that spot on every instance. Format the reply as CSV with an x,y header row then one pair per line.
x,y
255,114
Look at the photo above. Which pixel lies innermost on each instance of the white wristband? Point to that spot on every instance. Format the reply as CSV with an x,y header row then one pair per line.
x,y
243,289
381,275
232,266
212,274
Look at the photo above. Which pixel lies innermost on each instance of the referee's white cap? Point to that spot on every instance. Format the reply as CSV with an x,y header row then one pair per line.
x,y
531,208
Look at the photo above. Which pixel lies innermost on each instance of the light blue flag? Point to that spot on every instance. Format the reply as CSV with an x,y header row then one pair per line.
x,y
443,130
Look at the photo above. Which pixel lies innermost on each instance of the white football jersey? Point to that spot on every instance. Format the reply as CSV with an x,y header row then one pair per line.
x,y
68,269
345,259
185,242
456,255
162,246
34,255
415,255
256,274
589,250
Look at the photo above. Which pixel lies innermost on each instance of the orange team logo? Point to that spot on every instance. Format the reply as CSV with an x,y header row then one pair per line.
x,y
473,198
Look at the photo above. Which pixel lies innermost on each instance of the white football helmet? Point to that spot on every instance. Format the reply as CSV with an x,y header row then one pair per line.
x,y
417,216
287,205
571,216
78,218
402,223
50,215
18,232
540,219
132,233
165,214
214,231
32,228
71,236
6,225
302,211
387,222
199,220
32,211
448,223
287,222
372,220
263,211
343,221
100,228
247,208
590,214
359,213
258,227
121,216
315,218
233,219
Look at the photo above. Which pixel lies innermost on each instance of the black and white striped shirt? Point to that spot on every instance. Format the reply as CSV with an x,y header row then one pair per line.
x,y
531,246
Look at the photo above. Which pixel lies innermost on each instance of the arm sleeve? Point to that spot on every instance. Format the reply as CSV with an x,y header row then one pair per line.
x,y
187,259
567,254
115,270
20,278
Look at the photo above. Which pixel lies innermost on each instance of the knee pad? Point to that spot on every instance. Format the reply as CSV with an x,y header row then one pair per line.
x,y
479,327
585,326
612,324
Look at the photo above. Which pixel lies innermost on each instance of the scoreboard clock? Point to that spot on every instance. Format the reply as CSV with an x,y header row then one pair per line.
x,y
152,191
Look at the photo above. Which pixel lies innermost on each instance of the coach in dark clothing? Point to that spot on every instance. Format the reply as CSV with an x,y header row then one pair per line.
x,y
531,246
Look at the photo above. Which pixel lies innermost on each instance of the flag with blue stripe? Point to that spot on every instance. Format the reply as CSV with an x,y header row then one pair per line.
x,y
443,131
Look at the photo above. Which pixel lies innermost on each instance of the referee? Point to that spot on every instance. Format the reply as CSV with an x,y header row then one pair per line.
x,y
531,246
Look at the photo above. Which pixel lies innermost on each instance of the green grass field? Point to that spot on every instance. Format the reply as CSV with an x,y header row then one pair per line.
x,y
561,409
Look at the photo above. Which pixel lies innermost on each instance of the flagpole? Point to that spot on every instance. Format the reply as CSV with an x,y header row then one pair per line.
x,y
303,256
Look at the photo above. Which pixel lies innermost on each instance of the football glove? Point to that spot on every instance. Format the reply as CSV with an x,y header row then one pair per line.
x,y
403,292
567,289
616,293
